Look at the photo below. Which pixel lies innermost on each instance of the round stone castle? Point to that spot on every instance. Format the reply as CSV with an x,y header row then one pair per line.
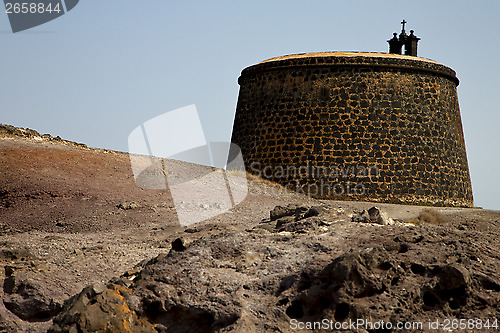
x,y
355,126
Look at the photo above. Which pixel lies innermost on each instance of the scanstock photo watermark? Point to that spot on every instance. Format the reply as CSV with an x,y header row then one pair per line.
x,y
170,152
333,180
24,15
360,324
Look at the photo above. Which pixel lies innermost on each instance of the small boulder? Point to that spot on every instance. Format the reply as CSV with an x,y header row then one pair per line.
x,y
300,227
178,245
453,277
284,220
280,211
28,298
379,216
314,211
362,217
298,212
108,310
373,215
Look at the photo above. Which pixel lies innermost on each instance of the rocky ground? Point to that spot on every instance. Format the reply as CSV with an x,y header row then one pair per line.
x,y
86,250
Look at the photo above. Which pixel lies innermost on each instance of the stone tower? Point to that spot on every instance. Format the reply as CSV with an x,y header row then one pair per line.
x,y
355,126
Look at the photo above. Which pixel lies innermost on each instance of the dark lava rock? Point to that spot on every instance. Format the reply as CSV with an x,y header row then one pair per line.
x,y
300,226
449,289
298,212
292,218
453,277
178,245
379,216
373,215
284,220
28,298
279,212
361,216
246,281
350,276
355,271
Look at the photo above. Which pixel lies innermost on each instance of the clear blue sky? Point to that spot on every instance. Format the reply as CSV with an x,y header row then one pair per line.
x,y
105,67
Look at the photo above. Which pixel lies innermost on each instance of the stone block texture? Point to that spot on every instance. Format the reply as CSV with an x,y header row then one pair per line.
x,y
355,126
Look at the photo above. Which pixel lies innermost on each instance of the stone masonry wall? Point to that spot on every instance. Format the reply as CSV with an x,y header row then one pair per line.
x,y
355,126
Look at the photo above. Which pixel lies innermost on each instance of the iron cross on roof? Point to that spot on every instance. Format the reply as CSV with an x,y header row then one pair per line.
x,y
409,42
